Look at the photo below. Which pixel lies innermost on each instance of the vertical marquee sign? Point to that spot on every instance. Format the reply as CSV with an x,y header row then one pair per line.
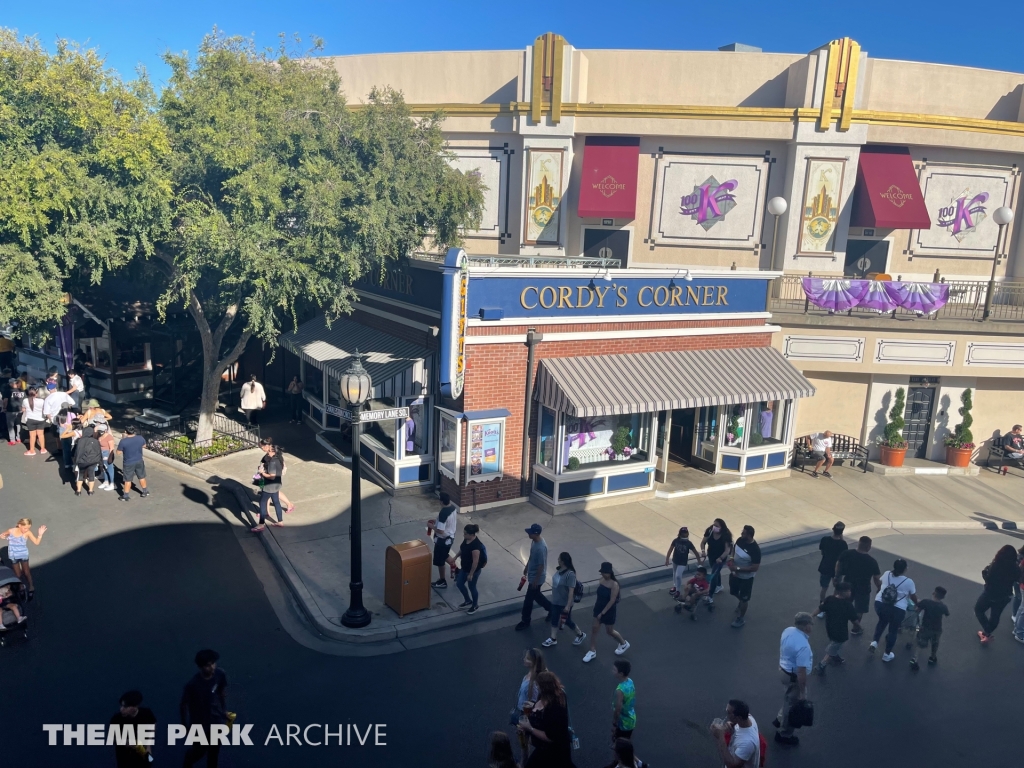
x,y
453,323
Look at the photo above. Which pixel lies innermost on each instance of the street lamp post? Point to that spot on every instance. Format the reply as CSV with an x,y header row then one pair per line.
x,y
1002,216
356,387
776,207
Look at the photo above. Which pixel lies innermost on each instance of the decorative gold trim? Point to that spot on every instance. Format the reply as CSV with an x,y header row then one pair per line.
x,y
762,114
556,82
829,88
851,87
537,89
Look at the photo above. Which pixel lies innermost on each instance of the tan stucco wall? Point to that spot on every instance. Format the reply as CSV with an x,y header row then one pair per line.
x,y
838,404
440,77
688,77
998,405
939,89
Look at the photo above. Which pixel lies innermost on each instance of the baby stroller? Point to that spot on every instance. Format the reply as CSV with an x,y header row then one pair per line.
x,y
9,626
910,623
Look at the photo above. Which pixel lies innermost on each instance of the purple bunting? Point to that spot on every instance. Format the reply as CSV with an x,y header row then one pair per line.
x,y
840,295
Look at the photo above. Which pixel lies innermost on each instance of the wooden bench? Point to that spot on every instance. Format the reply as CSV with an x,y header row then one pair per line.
x,y
844,448
998,453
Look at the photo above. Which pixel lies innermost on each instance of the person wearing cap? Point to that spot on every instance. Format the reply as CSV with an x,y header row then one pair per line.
x,y
831,548
535,572
132,714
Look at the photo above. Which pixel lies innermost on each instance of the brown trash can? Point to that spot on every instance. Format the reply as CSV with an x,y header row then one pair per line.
x,y
407,577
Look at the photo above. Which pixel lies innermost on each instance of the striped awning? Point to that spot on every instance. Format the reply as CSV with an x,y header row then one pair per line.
x,y
659,381
330,349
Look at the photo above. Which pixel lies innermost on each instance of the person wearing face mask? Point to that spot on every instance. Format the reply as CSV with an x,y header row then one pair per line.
x,y
679,553
716,545
132,714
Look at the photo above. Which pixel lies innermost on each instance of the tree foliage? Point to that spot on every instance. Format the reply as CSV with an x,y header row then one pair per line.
x,y
962,435
893,437
81,187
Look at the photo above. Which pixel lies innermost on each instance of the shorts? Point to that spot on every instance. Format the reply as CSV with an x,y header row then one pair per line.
x,y
818,455
740,588
16,560
621,734
834,647
860,601
441,551
825,579
32,425
88,473
927,636
136,470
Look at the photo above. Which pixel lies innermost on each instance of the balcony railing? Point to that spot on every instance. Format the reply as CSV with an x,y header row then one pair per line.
x,y
966,301
547,262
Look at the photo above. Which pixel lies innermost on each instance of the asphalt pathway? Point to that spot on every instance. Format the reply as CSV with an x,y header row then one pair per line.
x,y
126,593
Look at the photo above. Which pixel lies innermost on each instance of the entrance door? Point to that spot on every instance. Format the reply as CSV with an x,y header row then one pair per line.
x,y
681,436
865,258
918,418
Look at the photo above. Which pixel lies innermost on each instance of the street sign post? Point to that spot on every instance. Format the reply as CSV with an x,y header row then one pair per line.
x,y
381,414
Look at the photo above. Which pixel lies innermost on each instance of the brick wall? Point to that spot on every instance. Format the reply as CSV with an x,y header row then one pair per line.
x,y
496,378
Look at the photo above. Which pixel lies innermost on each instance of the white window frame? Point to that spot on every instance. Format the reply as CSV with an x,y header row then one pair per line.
x,y
455,419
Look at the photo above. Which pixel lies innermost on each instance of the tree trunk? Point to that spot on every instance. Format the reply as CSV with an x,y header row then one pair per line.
x,y
208,403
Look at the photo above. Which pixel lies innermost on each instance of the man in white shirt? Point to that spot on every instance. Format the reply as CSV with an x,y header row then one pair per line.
x,y
444,534
54,402
744,748
76,388
821,451
795,662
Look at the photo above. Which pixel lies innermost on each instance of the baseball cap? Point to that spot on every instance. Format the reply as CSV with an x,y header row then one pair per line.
x,y
534,529
840,526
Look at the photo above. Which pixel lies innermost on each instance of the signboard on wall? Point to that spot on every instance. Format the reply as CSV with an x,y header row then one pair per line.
x,y
543,216
960,200
485,449
822,201
709,200
490,165
455,290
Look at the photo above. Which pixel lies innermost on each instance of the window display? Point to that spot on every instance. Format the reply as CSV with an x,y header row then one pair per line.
x,y
486,442
414,429
548,438
591,441
449,446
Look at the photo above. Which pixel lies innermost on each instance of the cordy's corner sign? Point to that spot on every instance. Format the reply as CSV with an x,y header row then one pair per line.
x,y
453,323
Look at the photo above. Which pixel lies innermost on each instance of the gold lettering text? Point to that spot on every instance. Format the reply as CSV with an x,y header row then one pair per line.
x,y
564,297
579,297
709,295
620,292
691,294
677,294
522,297
640,296
544,292
601,294
661,291
722,290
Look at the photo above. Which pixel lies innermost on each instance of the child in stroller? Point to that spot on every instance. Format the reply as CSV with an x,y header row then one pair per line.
x,y
12,605
8,603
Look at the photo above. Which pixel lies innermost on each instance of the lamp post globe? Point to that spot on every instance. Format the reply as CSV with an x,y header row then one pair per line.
x,y
1002,215
356,388
777,206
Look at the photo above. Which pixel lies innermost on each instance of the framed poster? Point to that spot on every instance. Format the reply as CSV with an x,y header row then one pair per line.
x,y
486,449
822,200
490,165
710,200
960,200
544,170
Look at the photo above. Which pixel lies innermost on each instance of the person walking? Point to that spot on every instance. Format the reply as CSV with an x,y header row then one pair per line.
x,y
738,737
528,694
1000,575
838,612
204,703
443,529
796,659
548,725
35,421
17,550
624,702
14,400
271,471
76,388
535,572
608,592
133,465
294,391
679,553
499,755
107,449
625,756
716,545
820,444
831,547
473,558
930,631
86,458
131,713
563,589
859,569
254,400
891,606
744,563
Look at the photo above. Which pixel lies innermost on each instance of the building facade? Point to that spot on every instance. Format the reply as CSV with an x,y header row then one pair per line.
x,y
652,171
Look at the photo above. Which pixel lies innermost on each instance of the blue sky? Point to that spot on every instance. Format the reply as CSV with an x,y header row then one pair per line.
x,y
130,33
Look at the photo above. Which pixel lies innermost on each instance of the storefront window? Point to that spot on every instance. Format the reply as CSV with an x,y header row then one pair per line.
x,y
133,356
547,438
599,440
313,380
706,428
381,433
334,391
486,449
736,425
415,435
770,422
448,443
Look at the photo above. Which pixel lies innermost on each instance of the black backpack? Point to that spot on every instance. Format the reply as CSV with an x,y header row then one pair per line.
x,y
891,593
88,452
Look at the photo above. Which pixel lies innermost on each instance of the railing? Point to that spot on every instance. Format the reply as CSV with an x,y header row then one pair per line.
x,y
229,436
548,262
966,301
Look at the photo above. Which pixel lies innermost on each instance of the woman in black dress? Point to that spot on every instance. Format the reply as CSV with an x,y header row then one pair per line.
x,y
548,726
999,577
608,592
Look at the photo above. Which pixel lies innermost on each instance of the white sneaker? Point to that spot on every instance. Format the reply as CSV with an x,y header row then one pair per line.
x,y
821,615
719,588
622,648
591,655
888,656
579,639
107,487
874,646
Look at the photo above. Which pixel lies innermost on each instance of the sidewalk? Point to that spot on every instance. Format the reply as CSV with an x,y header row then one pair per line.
x,y
312,550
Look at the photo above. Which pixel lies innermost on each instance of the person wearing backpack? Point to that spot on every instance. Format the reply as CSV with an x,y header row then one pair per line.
x,y
87,456
564,587
473,555
891,605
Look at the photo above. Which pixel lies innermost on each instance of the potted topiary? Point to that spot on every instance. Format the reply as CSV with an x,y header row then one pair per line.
x,y
620,444
960,444
892,444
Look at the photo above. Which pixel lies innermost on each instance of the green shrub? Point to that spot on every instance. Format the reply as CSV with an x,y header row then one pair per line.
x,y
573,464
894,428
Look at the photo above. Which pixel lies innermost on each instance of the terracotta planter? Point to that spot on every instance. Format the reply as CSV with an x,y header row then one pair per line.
x,y
958,457
893,457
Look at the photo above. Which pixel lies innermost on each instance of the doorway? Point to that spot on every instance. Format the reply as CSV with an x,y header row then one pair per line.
x,y
680,444
918,420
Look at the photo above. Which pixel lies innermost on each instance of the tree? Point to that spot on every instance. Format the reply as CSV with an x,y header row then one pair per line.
x,y
962,436
81,186
893,437
283,196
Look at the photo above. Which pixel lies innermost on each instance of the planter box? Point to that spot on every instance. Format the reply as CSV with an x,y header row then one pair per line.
x,y
959,457
892,457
